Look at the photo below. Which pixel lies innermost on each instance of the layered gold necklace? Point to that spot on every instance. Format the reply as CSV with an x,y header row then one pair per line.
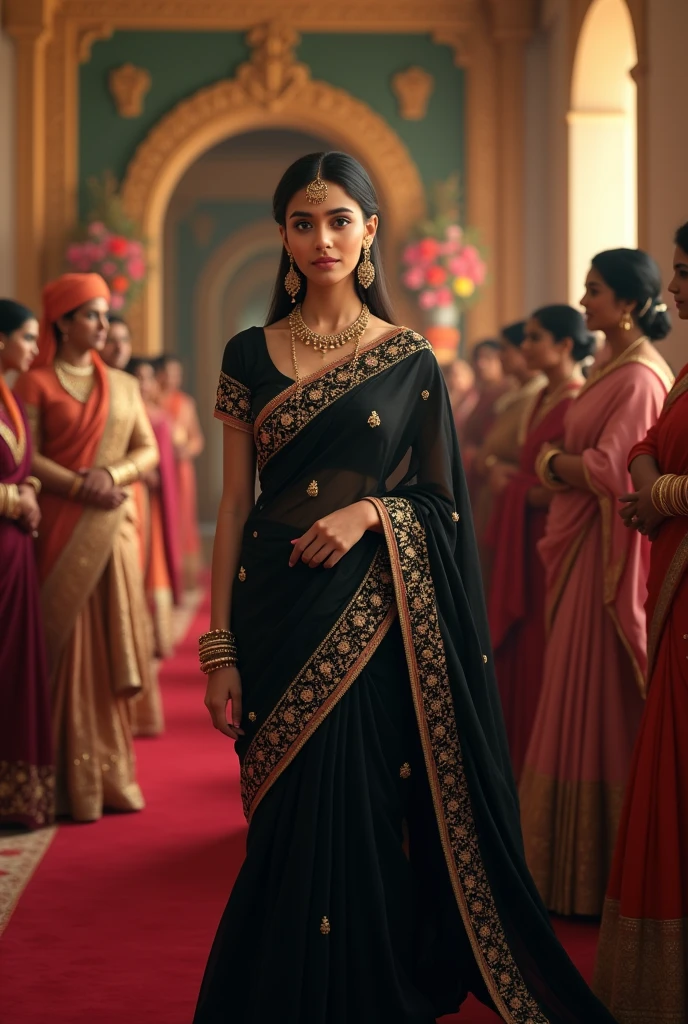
x,y
77,381
323,343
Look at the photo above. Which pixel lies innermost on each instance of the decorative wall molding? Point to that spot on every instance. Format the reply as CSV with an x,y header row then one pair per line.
x,y
87,35
128,87
264,94
51,34
413,89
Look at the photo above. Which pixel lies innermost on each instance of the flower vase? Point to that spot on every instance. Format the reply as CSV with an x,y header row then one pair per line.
x,y
443,333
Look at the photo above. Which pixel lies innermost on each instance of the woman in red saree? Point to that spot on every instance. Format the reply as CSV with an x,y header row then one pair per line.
x,y
27,773
590,704
188,443
91,439
642,959
556,341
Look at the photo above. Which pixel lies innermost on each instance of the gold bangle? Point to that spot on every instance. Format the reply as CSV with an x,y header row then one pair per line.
x,y
124,473
77,484
12,503
34,482
545,472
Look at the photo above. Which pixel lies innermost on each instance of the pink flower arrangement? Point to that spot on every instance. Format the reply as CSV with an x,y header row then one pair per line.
x,y
109,244
119,260
444,271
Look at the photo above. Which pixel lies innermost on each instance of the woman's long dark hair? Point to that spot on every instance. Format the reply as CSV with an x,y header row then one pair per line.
x,y
634,276
339,169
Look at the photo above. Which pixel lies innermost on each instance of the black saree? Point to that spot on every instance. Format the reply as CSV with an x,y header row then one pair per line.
x,y
385,877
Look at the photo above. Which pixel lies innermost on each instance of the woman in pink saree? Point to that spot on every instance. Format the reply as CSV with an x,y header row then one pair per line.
x,y
591,701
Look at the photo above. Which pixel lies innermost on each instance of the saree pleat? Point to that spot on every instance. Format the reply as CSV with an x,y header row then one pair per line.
x,y
385,876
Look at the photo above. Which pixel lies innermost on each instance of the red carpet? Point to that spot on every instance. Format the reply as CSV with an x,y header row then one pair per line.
x,y
115,926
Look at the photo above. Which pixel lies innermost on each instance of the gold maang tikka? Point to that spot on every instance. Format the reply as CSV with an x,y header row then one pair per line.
x,y
316,192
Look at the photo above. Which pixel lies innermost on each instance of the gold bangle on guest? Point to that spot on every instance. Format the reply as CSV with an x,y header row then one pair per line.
x,y
77,484
11,502
545,472
34,482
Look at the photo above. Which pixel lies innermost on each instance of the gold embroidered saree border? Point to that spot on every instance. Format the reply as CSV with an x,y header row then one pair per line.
x,y
16,445
658,366
675,573
320,684
641,973
426,659
85,555
233,403
554,593
679,388
283,418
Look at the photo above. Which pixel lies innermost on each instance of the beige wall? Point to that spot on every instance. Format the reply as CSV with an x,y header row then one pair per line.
x,y
668,144
6,165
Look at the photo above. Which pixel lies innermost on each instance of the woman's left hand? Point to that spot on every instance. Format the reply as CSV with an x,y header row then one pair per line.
x,y
329,539
638,512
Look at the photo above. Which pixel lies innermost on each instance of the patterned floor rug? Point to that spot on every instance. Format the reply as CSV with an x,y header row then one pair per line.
x,y
20,855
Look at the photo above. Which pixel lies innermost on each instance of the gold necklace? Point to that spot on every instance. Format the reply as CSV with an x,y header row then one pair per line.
x,y
326,342
297,376
77,381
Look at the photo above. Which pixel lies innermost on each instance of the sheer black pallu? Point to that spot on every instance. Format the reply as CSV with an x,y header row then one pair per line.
x,y
385,877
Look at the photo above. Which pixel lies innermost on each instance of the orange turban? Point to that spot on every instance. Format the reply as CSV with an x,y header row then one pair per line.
x,y
62,296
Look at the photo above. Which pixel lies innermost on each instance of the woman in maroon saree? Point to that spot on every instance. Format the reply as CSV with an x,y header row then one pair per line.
x,y
27,775
556,341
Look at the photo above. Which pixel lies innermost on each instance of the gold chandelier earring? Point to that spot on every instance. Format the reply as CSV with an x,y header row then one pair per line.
x,y
292,281
626,321
366,269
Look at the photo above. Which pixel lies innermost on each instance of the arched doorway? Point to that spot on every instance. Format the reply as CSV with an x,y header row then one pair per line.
x,y
603,186
271,91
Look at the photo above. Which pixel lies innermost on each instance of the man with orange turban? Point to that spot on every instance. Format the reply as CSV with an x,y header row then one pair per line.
x,y
92,439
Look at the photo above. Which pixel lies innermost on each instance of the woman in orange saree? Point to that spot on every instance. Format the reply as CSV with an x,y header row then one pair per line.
x,y
27,774
642,959
590,704
556,341
92,438
189,443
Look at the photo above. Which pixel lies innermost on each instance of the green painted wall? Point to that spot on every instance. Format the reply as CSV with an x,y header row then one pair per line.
x,y
181,63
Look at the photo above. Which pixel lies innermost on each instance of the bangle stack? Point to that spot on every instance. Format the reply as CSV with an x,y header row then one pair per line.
x,y
545,472
10,501
670,495
34,482
217,649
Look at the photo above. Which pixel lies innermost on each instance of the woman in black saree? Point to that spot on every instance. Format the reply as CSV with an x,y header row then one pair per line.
x,y
385,877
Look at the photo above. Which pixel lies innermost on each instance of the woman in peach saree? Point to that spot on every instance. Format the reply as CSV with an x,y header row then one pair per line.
x,y
590,705
91,439
642,958
188,443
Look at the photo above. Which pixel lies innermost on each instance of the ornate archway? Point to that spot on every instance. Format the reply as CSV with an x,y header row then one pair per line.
x,y
272,90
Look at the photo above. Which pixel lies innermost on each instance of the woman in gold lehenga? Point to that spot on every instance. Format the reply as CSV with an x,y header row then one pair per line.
x,y
92,438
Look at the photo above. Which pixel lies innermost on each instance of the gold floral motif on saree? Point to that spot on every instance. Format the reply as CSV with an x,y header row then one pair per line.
x,y
27,790
321,683
415,595
282,418
233,404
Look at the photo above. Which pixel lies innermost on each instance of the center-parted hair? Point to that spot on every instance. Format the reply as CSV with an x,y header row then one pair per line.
x,y
343,170
563,322
634,276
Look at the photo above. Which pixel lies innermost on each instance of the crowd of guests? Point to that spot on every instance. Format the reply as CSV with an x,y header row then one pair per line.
x,y
98,538
575,442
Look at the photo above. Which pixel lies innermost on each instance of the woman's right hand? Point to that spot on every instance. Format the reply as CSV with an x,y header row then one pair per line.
x,y
29,512
225,685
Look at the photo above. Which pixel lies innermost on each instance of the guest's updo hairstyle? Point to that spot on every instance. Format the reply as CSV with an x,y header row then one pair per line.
x,y
13,316
681,237
339,169
634,276
514,333
563,322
